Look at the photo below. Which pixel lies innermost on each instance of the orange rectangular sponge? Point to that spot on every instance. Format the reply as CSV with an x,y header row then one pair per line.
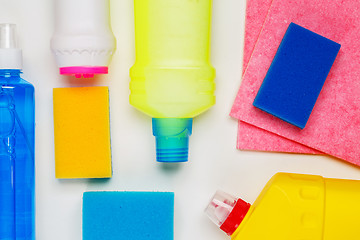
x,y
82,132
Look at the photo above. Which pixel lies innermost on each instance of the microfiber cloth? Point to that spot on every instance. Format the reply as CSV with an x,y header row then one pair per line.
x,y
333,125
256,12
128,216
296,75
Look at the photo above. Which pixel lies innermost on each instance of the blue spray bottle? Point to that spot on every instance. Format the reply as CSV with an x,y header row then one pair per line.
x,y
17,125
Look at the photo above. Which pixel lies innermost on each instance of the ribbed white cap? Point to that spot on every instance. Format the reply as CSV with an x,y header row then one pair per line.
x,y
10,54
83,35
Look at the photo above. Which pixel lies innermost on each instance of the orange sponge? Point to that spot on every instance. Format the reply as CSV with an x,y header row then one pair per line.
x,y
82,132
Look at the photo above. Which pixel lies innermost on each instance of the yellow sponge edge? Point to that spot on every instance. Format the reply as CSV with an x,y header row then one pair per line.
x,y
82,132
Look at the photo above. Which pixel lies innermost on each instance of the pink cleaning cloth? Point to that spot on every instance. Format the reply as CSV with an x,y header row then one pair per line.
x,y
333,127
256,12
250,137
257,139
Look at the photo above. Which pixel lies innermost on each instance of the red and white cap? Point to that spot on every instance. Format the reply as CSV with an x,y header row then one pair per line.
x,y
227,211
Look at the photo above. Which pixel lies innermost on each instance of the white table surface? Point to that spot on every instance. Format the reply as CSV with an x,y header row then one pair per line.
x,y
214,162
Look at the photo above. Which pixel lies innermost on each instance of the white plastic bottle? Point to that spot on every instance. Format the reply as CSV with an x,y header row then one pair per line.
x,y
83,42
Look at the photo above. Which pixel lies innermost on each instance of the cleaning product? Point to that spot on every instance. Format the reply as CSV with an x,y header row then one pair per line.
x,y
17,170
83,42
292,206
172,78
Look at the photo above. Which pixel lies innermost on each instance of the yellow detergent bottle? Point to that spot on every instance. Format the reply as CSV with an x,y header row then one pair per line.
x,y
172,79
292,207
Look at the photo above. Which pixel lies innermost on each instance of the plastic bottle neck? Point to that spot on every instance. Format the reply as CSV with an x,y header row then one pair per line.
x,y
7,73
172,138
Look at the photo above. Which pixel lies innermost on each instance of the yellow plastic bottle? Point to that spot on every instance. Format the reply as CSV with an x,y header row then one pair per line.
x,y
172,79
292,207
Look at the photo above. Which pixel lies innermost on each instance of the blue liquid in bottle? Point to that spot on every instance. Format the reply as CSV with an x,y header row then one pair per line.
x,y
17,125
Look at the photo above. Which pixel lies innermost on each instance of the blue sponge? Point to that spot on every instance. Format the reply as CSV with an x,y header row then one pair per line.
x,y
296,75
128,215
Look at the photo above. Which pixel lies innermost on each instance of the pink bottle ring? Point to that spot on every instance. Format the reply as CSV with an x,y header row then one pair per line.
x,y
85,71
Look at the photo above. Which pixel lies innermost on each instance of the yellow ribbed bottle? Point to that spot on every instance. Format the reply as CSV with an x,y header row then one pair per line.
x,y
172,79
292,206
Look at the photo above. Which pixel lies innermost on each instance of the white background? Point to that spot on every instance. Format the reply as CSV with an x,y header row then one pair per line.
x,y
214,162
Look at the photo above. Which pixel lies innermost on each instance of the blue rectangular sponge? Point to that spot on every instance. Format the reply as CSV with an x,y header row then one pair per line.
x,y
296,75
128,215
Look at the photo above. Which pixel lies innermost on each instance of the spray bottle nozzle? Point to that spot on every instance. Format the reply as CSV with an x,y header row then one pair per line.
x,y
8,36
10,54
